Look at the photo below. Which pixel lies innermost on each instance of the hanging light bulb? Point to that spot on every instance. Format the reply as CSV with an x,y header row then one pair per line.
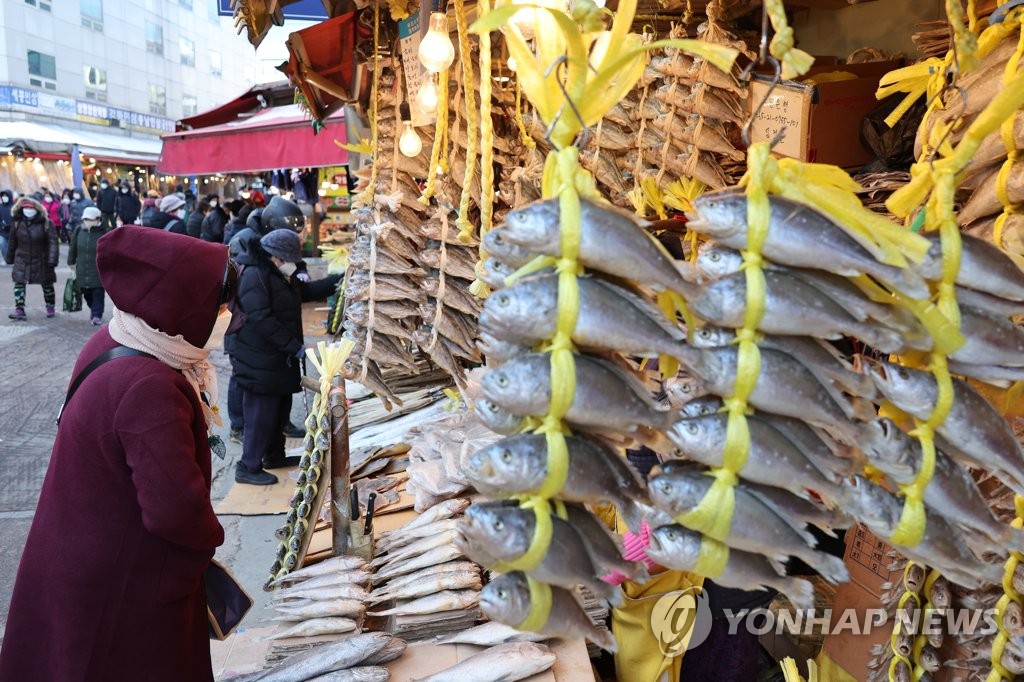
x,y
436,51
511,64
427,96
409,143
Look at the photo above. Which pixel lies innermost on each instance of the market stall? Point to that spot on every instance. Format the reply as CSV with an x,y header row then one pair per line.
x,y
589,239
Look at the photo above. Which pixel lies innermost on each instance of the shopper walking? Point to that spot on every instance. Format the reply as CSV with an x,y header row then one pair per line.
x,y
171,215
79,202
106,201
82,257
128,206
150,206
33,251
112,573
266,351
52,205
212,229
239,211
194,224
6,219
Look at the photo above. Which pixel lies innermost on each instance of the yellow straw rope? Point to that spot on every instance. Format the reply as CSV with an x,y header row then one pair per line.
x,y
472,123
440,133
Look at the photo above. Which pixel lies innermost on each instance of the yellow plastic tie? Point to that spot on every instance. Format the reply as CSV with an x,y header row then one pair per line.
x,y
925,79
539,544
540,607
713,557
794,62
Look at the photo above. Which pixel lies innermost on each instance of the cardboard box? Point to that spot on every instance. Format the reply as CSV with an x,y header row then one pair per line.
x,y
866,558
822,121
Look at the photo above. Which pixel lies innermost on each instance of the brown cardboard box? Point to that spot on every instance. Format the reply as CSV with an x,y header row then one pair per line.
x,y
866,558
822,120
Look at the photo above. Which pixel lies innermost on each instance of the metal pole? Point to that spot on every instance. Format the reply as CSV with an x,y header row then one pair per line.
x,y
340,479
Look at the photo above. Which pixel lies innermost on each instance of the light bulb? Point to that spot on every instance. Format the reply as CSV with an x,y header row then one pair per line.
x,y
436,50
426,96
410,143
511,63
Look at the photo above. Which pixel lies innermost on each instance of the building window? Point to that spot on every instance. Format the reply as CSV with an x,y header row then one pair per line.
x,y
43,65
187,4
41,4
154,38
157,99
189,105
216,63
188,51
95,83
92,14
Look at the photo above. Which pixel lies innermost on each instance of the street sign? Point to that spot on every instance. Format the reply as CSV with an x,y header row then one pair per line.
x,y
303,10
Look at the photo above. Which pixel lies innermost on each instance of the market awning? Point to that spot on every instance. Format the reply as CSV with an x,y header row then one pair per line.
x,y
52,139
258,97
281,137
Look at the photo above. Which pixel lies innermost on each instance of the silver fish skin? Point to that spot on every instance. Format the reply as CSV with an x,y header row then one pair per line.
x,y
317,626
952,491
997,375
490,634
415,548
343,654
452,580
755,526
506,532
392,650
816,355
602,545
942,546
498,419
680,390
497,350
678,548
991,339
438,555
507,600
395,541
438,602
989,303
605,396
773,459
698,407
501,663
797,236
973,432
983,267
518,465
611,241
609,317
343,607
447,568
819,448
440,511
327,566
494,273
792,308
363,673
715,262
784,387
499,248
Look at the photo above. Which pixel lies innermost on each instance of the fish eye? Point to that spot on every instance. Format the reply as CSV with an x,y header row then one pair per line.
x,y
497,238
686,388
503,299
506,455
704,333
502,594
714,256
902,373
501,380
499,525
671,534
665,486
692,428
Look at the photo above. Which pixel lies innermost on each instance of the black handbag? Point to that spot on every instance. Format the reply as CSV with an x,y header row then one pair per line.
x,y
227,602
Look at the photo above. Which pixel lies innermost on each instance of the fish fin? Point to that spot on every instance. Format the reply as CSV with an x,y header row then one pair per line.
x,y
831,568
863,410
604,639
885,340
630,379
799,591
632,514
656,439
644,305
908,281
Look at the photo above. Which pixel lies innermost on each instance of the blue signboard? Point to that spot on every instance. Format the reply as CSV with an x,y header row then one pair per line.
x,y
303,10
36,102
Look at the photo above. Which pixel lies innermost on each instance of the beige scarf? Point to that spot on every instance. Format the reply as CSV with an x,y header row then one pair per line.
x,y
174,351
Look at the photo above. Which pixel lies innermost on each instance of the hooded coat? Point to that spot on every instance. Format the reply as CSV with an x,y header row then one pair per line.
x,y
77,208
212,229
167,222
5,212
110,584
32,247
53,211
82,255
128,207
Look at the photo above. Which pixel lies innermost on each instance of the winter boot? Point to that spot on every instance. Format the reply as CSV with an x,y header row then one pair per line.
x,y
50,312
18,314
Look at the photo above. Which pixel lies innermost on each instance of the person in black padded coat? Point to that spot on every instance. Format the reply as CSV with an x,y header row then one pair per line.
x,y
266,351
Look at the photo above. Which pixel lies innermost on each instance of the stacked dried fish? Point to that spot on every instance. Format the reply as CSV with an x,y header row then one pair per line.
x,y
503,662
435,459
360,656
933,39
421,571
322,599
876,188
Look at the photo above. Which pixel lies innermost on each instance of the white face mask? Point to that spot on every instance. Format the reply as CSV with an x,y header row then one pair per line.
x,y
213,204
28,212
219,328
287,269
89,224
124,191
104,185
180,213
65,200
77,196
5,199
49,200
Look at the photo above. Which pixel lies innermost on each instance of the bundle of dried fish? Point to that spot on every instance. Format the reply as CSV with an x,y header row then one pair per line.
x,y
360,655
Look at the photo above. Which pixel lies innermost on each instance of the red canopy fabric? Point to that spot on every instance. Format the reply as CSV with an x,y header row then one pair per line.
x,y
281,137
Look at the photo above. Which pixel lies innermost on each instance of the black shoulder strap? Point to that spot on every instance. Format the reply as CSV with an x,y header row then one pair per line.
x,y
112,354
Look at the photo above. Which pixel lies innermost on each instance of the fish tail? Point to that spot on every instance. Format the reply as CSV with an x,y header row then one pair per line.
x,y
632,514
885,340
604,639
831,568
799,591
907,281
863,410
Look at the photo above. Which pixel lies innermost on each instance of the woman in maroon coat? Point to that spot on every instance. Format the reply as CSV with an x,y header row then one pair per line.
x,y
110,585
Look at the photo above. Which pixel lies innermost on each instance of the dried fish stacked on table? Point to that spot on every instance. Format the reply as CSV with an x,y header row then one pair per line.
x,y
326,598
500,663
355,658
422,582
436,456
304,505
